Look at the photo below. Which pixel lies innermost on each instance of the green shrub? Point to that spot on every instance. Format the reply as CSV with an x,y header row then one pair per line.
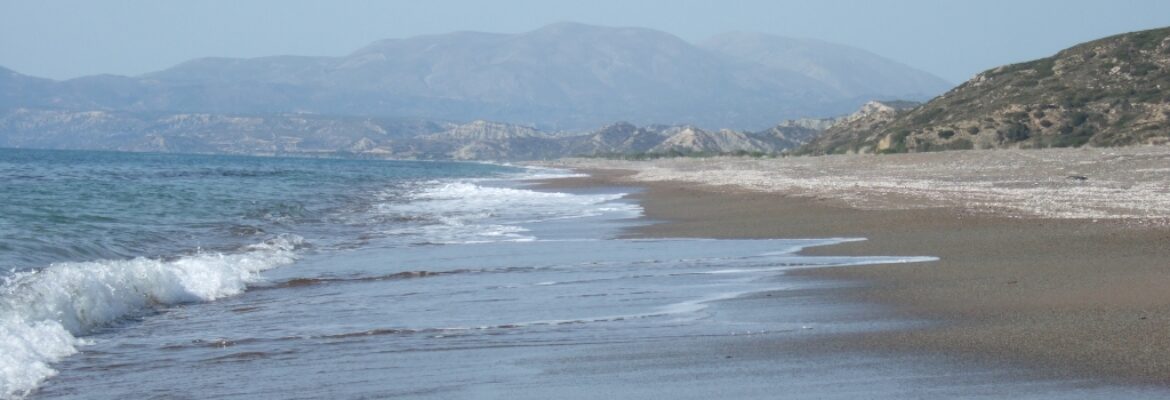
x,y
927,116
1078,118
1142,69
1074,138
1017,116
897,142
1023,83
1043,67
1015,132
960,144
1148,39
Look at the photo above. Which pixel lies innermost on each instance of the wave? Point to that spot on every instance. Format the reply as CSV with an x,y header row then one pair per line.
x,y
467,212
305,282
44,313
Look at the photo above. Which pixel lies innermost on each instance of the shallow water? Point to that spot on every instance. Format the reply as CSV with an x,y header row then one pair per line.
x,y
452,283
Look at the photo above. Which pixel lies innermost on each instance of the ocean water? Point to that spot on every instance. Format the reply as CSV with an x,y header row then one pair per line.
x,y
181,276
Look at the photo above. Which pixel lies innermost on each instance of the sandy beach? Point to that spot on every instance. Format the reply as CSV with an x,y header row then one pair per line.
x,y
1055,260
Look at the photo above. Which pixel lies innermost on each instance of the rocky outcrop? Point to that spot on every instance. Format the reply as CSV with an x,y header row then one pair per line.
x,y
689,139
859,132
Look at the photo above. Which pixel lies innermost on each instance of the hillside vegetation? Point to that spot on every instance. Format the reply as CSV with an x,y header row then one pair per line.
x,y
1109,92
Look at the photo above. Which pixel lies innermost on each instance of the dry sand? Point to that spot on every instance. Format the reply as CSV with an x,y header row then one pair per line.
x,y
1081,290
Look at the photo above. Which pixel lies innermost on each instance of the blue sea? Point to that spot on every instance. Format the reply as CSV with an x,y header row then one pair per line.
x,y
213,277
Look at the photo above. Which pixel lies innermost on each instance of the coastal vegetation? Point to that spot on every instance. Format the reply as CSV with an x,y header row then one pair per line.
x,y
1109,92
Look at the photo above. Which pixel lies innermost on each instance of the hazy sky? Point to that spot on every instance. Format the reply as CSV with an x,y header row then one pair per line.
x,y
953,39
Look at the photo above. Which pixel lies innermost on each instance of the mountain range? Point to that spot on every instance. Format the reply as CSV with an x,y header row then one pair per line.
x,y
413,98
564,76
309,135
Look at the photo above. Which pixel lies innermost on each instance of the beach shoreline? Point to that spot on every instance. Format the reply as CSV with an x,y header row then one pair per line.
x,y
1079,298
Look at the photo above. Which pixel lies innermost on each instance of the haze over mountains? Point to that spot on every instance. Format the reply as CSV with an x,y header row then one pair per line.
x,y
564,76
432,97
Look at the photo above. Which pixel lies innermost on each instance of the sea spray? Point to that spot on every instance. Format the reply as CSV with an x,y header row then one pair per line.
x,y
43,312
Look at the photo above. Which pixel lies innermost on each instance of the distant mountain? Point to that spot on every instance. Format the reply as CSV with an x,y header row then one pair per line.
x,y
618,138
18,90
690,139
484,140
1108,92
850,72
561,77
291,134
793,134
313,135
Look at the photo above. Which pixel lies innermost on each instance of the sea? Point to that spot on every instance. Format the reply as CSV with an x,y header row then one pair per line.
x,y
168,276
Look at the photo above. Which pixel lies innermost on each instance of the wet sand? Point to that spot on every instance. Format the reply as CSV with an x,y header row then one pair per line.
x,y
1063,297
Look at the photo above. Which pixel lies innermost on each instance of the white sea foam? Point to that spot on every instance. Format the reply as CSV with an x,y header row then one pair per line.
x,y
44,313
468,212
533,173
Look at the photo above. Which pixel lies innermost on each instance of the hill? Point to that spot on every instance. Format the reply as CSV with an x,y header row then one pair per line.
x,y
1109,92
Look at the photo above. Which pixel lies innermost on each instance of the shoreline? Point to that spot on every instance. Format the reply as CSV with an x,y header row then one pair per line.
x,y
1073,298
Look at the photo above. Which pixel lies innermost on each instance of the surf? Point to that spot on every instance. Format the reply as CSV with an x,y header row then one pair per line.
x,y
45,314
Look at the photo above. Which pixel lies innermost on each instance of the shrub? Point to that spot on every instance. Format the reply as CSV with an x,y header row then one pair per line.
x,y
928,115
1075,138
946,134
1015,132
1017,116
1141,69
897,142
1148,39
1026,83
1078,118
1043,67
960,144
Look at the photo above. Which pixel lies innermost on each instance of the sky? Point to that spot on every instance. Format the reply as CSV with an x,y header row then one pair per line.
x,y
953,39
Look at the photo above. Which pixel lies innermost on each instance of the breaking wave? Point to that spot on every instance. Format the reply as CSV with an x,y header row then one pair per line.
x,y
467,212
44,312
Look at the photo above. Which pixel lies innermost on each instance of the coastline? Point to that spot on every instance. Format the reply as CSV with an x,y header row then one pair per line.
x,y
1065,297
